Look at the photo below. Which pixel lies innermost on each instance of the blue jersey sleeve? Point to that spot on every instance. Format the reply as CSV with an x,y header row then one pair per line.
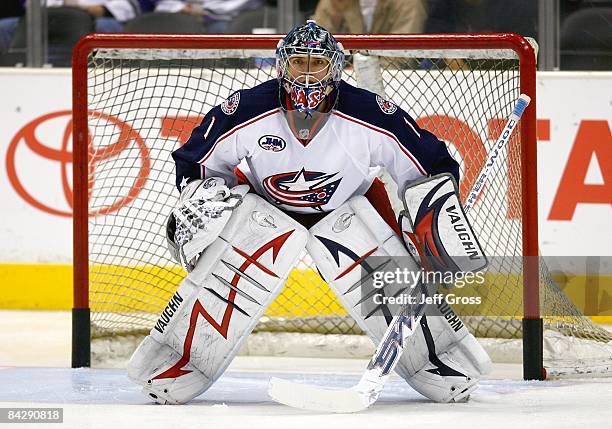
x,y
212,148
190,158
431,152
408,151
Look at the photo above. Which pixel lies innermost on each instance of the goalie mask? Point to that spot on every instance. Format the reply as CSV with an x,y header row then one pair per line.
x,y
309,64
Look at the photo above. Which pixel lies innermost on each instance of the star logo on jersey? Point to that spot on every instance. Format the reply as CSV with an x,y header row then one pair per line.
x,y
302,188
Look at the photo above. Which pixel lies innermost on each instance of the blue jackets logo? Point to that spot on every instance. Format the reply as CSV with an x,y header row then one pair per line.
x,y
272,143
310,189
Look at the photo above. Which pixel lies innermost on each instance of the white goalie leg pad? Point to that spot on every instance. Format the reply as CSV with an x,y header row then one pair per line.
x,y
456,360
339,245
219,303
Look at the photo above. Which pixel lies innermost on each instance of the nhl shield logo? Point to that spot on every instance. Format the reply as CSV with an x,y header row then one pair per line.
x,y
230,105
272,143
386,106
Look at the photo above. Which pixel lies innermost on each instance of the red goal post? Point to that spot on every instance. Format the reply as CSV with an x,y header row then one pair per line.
x,y
532,322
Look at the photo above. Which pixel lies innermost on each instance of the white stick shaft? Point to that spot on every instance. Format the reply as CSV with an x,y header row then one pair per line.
x,y
403,325
520,106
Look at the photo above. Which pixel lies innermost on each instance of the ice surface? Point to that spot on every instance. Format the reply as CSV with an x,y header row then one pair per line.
x,y
105,398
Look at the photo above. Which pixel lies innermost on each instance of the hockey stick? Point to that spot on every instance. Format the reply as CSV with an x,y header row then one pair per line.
x,y
403,325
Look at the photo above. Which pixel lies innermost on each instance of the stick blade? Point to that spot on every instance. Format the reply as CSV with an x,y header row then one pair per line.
x,y
316,398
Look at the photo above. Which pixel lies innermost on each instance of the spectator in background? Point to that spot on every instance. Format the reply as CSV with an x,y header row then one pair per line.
x,y
371,16
109,14
216,14
10,11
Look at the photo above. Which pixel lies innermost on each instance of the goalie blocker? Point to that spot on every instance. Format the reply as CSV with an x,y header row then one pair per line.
x,y
435,228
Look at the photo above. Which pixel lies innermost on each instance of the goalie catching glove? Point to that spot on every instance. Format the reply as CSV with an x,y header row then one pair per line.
x,y
203,210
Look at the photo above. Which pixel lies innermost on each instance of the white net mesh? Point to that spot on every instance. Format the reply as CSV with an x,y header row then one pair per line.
x,y
143,104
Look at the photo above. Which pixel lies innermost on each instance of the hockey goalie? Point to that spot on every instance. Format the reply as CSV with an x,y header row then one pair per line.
x,y
291,164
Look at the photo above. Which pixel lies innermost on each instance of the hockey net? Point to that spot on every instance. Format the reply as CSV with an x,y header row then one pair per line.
x,y
141,98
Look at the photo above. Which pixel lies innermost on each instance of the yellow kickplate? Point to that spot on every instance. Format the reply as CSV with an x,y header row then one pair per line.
x,y
49,287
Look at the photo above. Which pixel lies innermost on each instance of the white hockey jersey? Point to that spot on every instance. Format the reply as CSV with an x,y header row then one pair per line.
x,y
362,132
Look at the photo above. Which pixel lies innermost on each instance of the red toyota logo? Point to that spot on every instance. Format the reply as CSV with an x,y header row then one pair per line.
x,y
126,137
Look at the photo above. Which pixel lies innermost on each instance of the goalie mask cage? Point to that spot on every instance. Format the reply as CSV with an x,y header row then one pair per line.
x,y
137,97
